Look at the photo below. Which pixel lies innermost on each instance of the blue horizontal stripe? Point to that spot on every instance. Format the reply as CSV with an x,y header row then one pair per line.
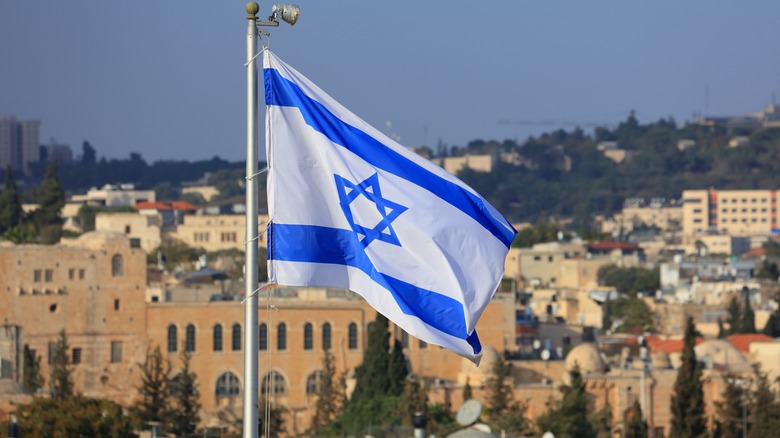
x,y
282,92
314,244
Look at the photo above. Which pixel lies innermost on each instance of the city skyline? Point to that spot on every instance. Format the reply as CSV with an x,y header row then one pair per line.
x,y
166,80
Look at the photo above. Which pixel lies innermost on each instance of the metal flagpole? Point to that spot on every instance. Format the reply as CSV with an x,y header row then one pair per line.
x,y
251,408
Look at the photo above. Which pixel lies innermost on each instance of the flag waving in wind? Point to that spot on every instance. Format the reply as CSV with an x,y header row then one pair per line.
x,y
351,208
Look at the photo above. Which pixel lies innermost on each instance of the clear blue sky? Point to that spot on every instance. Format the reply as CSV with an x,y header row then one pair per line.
x,y
166,78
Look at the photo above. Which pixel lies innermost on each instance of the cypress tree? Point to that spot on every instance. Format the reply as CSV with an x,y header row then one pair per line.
x,y
371,377
329,397
51,198
568,418
467,390
61,381
504,414
602,421
154,388
735,316
637,427
415,399
729,410
772,327
33,381
687,404
10,206
397,370
185,414
764,419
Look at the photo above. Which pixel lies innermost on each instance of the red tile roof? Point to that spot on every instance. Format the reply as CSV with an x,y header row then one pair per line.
x,y
165,205
655,343
742,342
609,246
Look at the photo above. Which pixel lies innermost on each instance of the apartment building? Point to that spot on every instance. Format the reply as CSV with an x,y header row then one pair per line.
x,y
19,143
741,213
217,232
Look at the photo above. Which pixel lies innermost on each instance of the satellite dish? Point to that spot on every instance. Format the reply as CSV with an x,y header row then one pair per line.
x,y
469,412
548,435
537,344
545,354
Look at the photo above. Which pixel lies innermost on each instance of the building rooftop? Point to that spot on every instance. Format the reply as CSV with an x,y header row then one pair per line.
x,y
165,205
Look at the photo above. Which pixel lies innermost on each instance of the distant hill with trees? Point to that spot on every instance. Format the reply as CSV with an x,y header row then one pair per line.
x,y
560,174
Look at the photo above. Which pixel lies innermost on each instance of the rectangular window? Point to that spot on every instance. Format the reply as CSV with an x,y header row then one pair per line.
x,y
537,258
116,351
52,349
49,275
76,356
697,210
37,275
550,259
81,274
116,304
692,200
697,221
71,274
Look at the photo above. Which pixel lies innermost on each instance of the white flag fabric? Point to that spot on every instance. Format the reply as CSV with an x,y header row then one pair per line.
x,y
351,208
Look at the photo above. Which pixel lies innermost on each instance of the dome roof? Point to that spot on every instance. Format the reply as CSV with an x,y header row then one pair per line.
x,y
587,357
660,360
720,353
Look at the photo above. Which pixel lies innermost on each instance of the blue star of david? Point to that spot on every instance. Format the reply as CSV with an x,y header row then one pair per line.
x,y
388,210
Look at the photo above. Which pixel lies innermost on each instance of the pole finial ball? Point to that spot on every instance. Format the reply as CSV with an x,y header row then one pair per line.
x,y
252,8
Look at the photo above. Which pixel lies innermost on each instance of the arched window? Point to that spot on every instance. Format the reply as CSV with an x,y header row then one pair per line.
x,y
273,384
189,340
314,383
308,334
352,336
218,337
173,342
227,385
236,339
326,336
116,266
262,341
281,337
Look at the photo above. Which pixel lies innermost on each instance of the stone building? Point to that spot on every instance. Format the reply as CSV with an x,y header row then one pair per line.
x,y
93,288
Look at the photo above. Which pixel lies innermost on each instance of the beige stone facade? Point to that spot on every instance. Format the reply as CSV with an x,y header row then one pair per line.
x,y
93,288
480,163
217,232
741,213
143,229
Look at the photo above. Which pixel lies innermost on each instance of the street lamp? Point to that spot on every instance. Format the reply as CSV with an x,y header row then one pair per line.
x,y
289,14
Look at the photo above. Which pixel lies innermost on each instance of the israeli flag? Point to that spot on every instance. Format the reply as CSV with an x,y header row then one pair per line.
x,y
350,208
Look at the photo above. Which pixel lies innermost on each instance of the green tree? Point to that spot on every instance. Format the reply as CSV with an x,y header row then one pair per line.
x,y
687,404
637,426
467,390
51,198
271,418
61,379
154,404
33,381
729,410
602,421
88,154
372,376
748,317
772,327
568,418
397,370
734,318
24,233
77,416
11,213
764,407
165,191
86,218
185,413
329,397
503,412
414,400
